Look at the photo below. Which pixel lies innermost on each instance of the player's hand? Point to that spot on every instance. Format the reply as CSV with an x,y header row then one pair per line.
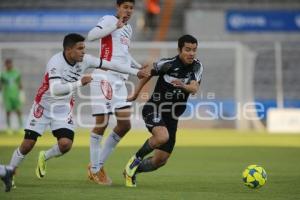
x,y
86,79
177,83
120,22
132,97
144,73
144,66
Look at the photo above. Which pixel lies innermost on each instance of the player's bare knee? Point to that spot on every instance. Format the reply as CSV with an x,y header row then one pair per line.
x,y
65,146
99,130
26,146
163,138
159,162
123,126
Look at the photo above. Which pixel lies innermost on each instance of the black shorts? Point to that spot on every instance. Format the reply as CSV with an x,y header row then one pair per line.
x,y
152,119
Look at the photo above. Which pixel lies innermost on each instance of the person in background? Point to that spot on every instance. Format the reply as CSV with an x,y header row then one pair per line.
x,y
151,13
12,93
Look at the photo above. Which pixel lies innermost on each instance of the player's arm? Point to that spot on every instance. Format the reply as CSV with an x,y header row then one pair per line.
x,y
192,87
94,62
57,88
158,68
137,90
134,63
104,28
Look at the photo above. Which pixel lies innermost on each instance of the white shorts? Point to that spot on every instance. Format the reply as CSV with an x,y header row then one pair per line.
x,y
108,92
57,117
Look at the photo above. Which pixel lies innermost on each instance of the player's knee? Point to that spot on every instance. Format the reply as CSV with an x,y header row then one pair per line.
x,y
26,146
65,146
160,162
163,138
124,126
99,130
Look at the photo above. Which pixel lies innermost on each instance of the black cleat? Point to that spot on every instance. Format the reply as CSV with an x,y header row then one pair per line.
x,y
7,179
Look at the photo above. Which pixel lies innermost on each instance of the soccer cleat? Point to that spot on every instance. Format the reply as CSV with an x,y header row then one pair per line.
x,y
41,165
129,181
99,177
132,166
7,179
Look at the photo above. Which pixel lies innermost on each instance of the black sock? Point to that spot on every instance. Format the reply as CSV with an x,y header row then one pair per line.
x,y
144,150
146,166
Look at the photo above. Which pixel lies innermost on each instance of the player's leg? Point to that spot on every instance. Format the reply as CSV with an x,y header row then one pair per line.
x,y
30,138
101,122
6,174
16,107
8,108
8,123
158,160
65,138
95,172
101,97
62,127
122,127
122,112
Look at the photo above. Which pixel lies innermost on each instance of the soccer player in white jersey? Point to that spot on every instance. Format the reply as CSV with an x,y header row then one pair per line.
x,y
54,101
6,175
108,90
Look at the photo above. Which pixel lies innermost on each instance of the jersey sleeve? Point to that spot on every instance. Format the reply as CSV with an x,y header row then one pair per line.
x,y
105,26
91,61
53,69
197,71
107,20
161,66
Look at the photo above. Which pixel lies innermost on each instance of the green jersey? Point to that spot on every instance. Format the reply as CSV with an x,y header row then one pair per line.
x,y
10,82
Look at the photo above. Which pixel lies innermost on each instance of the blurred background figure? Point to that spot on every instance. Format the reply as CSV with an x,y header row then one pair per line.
x,y
152,10
11,87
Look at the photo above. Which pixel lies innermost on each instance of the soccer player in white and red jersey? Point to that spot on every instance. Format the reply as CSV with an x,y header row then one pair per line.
x,y
54,101
108,89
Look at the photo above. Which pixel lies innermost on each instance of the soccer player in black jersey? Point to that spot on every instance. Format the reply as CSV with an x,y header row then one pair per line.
x,y
178,77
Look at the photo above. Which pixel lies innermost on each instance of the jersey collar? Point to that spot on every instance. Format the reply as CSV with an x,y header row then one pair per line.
x,y
68,61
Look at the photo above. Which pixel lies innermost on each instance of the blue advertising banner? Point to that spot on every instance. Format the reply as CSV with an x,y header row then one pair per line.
x,y
50,20
263,20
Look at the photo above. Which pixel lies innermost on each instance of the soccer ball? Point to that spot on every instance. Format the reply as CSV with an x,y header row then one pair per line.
x,y
254,176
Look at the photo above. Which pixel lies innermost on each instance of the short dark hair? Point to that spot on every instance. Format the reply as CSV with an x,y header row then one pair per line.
x,y
119,2
71,39
186,39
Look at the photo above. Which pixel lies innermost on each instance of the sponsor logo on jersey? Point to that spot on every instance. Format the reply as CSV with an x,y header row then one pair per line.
x,y
38,111
106,89
156,119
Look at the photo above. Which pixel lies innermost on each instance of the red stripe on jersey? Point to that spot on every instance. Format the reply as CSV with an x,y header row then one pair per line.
x,y
72,102
106,48
44,87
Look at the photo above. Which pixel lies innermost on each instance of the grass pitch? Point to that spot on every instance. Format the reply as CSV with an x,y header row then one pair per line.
x,y
206,164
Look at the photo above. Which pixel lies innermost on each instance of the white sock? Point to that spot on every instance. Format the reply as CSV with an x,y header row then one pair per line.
x,y
2,171
53,152
111,142
16,158
95,149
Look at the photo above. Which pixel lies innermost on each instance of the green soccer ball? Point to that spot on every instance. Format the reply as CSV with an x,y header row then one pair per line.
x,y
254,176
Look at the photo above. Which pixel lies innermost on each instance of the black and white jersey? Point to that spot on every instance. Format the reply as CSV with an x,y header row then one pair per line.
x,y
165,94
